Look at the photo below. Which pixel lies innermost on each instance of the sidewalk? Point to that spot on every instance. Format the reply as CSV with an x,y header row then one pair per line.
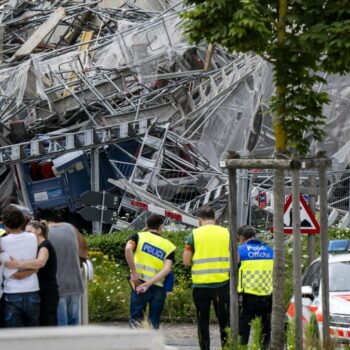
x,y
183,336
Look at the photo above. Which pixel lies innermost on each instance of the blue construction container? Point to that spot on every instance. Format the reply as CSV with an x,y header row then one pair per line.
x,y
57,183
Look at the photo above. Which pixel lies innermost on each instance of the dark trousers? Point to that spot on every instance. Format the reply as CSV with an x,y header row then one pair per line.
x,y
203,297
1,312
155,298
21,309
48,307
253,306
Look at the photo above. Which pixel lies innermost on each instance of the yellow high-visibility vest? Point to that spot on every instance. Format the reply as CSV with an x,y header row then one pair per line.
x,y
211,258
150,255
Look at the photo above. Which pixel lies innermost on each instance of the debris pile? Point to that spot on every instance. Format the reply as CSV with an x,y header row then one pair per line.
x,y
110,96
119,81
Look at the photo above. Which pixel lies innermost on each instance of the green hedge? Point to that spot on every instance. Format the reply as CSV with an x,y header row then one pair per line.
x,y
113,245
109,293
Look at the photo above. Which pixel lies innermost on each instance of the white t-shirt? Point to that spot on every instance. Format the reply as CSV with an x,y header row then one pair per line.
x,y
9,272
20,246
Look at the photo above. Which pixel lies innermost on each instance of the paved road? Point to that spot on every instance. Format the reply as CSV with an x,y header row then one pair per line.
x,y
183,336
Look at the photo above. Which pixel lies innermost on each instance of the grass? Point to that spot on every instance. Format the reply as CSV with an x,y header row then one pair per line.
x,y
108,292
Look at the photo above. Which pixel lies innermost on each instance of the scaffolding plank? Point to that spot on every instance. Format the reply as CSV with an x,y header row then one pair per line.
x,y
40,34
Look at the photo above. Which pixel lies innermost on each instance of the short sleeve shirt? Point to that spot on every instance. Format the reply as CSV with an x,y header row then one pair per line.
x,y
189,241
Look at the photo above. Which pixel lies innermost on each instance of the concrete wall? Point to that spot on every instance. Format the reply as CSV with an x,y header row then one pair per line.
x,y
80,338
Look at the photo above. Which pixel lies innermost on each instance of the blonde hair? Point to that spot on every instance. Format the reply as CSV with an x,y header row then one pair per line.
x,y
42,225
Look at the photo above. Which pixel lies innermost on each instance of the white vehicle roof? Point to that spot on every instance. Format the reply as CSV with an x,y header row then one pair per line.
x,y
337,258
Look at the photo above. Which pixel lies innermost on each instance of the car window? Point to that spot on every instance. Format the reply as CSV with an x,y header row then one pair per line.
x,y
309,275
316,282
339,280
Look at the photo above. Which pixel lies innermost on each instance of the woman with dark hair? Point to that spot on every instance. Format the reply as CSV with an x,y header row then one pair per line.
x,y
21,296
46,262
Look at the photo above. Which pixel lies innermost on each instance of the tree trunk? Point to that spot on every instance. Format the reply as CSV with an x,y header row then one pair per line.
x,y
278,309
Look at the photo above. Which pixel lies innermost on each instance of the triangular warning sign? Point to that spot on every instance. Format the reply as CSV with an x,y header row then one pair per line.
x,y
308,222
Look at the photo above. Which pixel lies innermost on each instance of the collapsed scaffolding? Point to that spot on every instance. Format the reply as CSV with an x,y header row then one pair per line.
x,y
122,79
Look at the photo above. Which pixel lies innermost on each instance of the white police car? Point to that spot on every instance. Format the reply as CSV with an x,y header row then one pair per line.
x,y
339,292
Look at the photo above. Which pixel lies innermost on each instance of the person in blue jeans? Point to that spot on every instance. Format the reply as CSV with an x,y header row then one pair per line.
x,y
70,246
150,258
21,296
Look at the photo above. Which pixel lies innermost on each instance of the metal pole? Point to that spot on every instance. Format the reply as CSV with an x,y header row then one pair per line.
x,y
95,183
233,255
85,297
324,256
102,209
298,309
23,186
2,29
311,243
242,196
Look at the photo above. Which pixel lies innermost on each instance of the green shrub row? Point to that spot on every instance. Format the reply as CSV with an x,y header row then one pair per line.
x,y
113,245
109,293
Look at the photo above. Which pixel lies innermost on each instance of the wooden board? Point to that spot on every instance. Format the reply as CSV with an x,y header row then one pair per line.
x,y
40,34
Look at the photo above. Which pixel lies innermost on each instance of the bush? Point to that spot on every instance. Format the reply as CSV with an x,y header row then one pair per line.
x,y
179,306
113,245
109,293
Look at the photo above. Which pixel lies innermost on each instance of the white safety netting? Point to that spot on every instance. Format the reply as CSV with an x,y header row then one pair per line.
x,y
13,81
146,47
337,142
232,122
57,70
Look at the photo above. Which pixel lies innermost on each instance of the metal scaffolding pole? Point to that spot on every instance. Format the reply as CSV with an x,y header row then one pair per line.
x,y
324,257
95,183
298,341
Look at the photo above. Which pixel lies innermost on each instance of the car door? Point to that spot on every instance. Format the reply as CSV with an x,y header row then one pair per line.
x,y
311,278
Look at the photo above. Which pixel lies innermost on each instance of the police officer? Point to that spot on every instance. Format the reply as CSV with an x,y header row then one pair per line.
x,y
207,252
254,283
150,258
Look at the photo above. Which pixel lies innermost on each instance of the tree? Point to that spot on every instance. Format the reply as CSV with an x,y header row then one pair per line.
x,y
300,38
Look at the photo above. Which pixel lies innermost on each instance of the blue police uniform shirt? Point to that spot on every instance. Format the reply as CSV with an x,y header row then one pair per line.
x,y
255,250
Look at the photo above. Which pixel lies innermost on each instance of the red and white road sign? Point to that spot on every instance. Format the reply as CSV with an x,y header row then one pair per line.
x,y
308,222
167,213
262,200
